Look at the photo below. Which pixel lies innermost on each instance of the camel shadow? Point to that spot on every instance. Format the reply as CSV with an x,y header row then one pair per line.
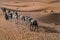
x,y
55,1
51,18
47,29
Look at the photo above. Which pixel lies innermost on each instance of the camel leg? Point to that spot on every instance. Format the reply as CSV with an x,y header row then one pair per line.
x,y
31,26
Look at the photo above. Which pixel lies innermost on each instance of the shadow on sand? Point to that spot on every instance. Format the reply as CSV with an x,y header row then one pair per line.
x,y
47,29
55,1
51,18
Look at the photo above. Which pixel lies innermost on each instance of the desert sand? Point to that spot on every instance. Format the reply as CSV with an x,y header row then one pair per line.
x,y
49,24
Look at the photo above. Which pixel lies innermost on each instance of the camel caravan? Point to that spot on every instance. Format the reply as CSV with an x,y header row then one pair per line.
x,y
10,14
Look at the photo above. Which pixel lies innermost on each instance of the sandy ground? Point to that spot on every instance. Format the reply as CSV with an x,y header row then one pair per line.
x,y
49,24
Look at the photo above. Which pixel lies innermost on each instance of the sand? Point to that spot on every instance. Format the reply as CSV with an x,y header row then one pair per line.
x,y
49,24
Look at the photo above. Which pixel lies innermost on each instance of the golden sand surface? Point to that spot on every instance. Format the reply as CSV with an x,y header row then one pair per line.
x,y
48,28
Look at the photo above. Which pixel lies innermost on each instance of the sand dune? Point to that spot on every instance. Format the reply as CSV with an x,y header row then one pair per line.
x,y
49,24
31,6
29,0
10,31
28,6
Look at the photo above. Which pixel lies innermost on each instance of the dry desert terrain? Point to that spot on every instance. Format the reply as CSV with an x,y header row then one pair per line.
x,y
49,24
